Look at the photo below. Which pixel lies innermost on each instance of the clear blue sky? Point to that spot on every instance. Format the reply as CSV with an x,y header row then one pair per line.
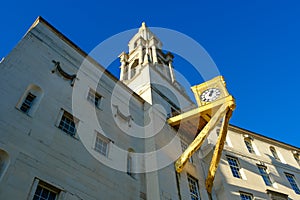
x,y
255,45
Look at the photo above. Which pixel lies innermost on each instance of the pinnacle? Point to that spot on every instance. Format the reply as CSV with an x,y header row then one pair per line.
x,y
143,25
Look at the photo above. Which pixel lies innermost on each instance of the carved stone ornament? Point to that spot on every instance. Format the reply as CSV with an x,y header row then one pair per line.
x,y
118,113
64,74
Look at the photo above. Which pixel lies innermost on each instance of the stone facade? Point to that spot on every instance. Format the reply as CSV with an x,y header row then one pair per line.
x,y
51,144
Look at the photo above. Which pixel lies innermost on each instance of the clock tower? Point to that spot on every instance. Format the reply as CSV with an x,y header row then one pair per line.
x,y
148,70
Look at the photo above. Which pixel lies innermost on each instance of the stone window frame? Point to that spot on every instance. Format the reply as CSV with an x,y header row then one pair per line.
x,y
274,153
234,165
249,146
263,171
102,144
29,106
291,179
69,121
94,98
40,185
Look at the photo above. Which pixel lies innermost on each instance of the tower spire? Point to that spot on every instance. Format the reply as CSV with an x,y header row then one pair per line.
x,y
145,49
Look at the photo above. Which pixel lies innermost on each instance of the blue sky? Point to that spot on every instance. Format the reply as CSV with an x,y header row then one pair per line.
x,y
255,45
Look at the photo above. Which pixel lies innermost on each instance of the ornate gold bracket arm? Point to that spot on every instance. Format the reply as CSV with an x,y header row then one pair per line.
x,y
219,148
196,144
63,73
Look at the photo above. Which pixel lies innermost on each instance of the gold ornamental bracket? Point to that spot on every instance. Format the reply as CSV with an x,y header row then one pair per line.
x,y
214,103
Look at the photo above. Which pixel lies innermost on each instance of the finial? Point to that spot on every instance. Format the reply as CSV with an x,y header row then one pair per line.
x,y
143,25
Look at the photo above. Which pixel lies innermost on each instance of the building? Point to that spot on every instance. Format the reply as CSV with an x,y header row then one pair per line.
x,y
51,146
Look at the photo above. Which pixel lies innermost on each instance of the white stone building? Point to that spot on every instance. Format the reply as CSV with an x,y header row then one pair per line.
x,y
67,133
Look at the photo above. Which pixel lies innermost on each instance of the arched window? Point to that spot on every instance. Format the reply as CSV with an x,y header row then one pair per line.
x,y
296,156
130,162
134,67
30,100
249,146
4,160
274,153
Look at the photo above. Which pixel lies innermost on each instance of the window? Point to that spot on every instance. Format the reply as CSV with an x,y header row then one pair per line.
x,y
245,196
4,160
27,103
218,134
30,100
274,153
184,147
263,172
43,191
101,144
130,162
291,179
276,195
234,166
94,98
194,189
249,146
173,112
68,123
296,156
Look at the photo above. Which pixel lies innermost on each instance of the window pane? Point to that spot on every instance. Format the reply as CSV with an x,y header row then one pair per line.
x,y
27,103
245,196
274,153
94,97
52,196
249,146
67,124
101,145
194,189
43,193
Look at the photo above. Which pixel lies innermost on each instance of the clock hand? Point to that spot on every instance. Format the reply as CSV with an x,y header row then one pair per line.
x,y
211,93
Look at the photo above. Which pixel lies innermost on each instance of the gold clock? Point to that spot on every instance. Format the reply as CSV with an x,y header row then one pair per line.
x,y
209,95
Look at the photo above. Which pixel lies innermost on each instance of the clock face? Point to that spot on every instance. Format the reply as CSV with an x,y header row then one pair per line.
x,y
210,95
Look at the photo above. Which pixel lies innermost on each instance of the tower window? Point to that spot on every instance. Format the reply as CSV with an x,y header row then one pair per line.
x,y
68,123
292,181
194,188
94,98
264,174
234,166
